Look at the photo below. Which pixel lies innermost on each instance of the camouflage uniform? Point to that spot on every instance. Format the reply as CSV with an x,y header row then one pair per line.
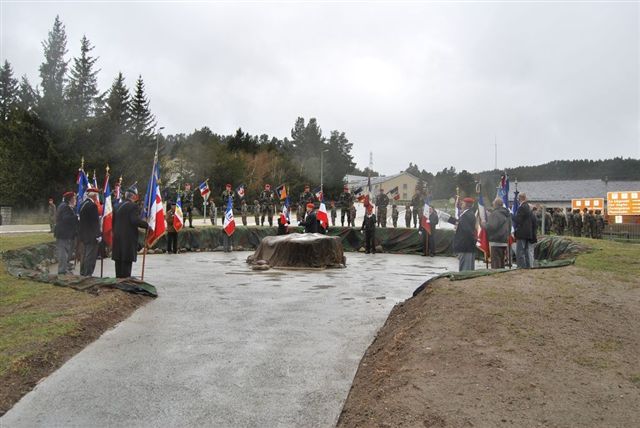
x,y
569,222
334,214
599,224
407,215
394,215
382,200
352,215
586,223
212,211
187,205
346,199
558,222
267,201
577,223
417,202
243,212
305,198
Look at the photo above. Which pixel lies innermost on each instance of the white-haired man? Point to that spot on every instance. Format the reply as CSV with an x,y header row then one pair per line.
x,y
89,232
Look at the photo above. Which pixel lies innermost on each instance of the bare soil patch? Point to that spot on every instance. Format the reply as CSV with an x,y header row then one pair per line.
x,y
553,347
91,320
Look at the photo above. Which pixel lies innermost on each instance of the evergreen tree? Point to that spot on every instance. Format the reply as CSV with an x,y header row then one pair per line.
x,y
52,72
297,133
118,105
8,91
82,91
142,124
27,97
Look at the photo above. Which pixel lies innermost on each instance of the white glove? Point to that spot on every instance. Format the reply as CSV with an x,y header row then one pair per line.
x,y
99,239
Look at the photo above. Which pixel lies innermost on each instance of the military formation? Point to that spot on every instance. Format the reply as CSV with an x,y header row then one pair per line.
x,y
586,223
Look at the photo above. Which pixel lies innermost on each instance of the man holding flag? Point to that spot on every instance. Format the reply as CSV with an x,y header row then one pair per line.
x,y
284,219
229,226
126,221
464,240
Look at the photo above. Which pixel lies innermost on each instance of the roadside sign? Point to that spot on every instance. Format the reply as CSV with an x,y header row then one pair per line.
x,y
623,203
588,203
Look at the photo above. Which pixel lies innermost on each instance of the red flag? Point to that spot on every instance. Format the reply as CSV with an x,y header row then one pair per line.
x,y
322,216
424,218
482,241
178,220
107,214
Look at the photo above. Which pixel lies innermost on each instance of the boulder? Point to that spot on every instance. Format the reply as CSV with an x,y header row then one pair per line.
x,y
296,250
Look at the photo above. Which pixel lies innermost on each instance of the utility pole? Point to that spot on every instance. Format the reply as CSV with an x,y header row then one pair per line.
x,y
495,145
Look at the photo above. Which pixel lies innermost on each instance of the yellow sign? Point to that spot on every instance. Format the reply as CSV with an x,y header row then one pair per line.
x,y
588,203
623,203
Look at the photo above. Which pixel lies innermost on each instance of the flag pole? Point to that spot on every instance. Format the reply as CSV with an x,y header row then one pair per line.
x,y
479,192
146,246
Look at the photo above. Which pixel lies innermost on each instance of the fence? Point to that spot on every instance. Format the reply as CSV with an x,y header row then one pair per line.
x,y
622,232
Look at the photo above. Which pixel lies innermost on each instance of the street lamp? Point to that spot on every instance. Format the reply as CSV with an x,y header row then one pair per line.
x,y
322,168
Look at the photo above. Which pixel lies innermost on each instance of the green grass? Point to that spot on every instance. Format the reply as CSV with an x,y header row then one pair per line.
x,y
33,314
11,241
622,259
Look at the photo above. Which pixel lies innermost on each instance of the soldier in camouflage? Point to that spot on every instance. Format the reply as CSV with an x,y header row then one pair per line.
x,y
599,224
586,223
267,201
187,204
417,202
577,223
394,215
243,212
407,215
226,194
346,199
306,197
558,222
382,201
334,213
569,222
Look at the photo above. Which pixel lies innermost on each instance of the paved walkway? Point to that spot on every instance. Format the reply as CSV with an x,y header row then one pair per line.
x,y
226,346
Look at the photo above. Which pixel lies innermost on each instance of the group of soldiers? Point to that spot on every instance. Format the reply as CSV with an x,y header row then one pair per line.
x,y
587,223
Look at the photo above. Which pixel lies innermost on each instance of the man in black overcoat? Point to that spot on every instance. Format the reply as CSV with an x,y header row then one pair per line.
x,y
464,240
89,232
126,221
65,232
369,229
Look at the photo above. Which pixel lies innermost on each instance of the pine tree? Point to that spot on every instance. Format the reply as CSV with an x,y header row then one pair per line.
x,y
142,124
118,105
27,97
52,72
8,91
82,91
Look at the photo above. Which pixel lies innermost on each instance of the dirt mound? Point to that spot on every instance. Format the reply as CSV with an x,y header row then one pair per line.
x,y
296,250
549,347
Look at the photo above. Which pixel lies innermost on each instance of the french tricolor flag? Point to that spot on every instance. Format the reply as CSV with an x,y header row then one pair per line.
x,y
107,214
157,225
178,219
229,224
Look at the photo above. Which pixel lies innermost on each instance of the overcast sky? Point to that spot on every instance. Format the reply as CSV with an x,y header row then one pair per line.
x,y
430,83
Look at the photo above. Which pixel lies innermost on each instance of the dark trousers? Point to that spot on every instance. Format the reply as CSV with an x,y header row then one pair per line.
x,y
432,242
89,256
123,269
189,216
345,212
417,212
226,242
172,242
497,257
369,242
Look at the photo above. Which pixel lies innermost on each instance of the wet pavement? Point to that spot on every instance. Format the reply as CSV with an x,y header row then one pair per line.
x,y
227,346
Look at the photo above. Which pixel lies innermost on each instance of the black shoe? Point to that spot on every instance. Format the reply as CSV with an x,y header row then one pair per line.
x,y
191,227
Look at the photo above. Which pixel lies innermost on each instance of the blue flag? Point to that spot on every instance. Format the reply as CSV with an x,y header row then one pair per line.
x,y
83,185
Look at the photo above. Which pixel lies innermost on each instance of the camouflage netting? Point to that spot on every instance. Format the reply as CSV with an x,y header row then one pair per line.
x,y
33,263
389,240
309,250
549,252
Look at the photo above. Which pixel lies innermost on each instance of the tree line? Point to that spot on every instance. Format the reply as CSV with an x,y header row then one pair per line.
x,y
45,130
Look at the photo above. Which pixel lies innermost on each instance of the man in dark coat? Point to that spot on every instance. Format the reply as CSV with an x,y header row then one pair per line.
x,y
369,229
126,221
65,232
310,221
433,220
464,240
524,222
89,232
